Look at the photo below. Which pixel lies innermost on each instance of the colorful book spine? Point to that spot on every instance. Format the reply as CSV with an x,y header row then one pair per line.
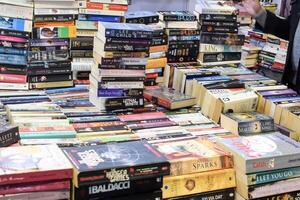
x,y
15,24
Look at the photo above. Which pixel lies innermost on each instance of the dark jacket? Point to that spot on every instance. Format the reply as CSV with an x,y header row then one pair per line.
x,y
285,29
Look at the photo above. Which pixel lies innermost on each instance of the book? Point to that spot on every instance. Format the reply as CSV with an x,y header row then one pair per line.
x,y
259,153
169,98
177,186
247,123
194,156
26,164
116,162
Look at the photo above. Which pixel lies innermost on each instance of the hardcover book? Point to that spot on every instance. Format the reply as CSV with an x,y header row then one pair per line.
x,y
116,162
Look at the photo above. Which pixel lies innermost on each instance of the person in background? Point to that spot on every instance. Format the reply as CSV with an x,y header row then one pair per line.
x,y
285,28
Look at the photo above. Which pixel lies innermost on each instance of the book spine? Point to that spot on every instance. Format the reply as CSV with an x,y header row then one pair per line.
x,y
220,24
279,187
119,85
219,29
16,51
50,64
196,166
16,11
48,135
134,172
13,39
192,53
49,11
53,18
126,48
159,41
122,73
42,56
110,54
81,43
54,32
9,136
102,6
81,53
291,195
7,69
124,61
119,92
183,32
128,33
48,42
145,42
121,188
143,20
176,59
213,17
123,2
13,86
175,186
51,24
155,124
227,39
62,194
256,127
273,176
183,46
179,18
15,24
19,188
14,33
125,79
154,195
219,57
13,59
211,48
50,78
228,194
13,78
51,85
184,38
102,18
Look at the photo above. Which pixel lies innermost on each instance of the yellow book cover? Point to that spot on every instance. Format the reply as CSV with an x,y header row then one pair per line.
x,y
176,186
194,156
156,63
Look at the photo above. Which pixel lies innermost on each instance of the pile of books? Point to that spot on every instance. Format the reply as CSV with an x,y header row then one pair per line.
x,y
183,35
220,41
250,54
34,172
81,52
117,78
266,165
127,170
15,28
158,47
49,56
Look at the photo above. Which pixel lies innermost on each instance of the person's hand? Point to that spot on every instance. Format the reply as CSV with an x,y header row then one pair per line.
x,y
253,7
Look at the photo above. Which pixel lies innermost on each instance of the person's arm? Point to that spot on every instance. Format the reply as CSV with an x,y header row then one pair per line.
x,y
267,21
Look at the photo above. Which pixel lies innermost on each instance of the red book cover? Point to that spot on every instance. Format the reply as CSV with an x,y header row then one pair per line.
x,y
101,6
13,78
35,187
26,164
142,116
98,124
12,39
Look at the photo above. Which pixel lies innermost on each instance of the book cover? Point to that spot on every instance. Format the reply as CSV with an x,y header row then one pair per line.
x,y
262,152
33,163
116,162
193,156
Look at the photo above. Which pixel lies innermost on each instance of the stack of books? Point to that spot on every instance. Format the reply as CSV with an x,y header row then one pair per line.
x,y
15,28
42,120
81,52
117,77
93,11
183,35
49,56
34,172
159,45
126,170
220,41
266,165
250,54
193,162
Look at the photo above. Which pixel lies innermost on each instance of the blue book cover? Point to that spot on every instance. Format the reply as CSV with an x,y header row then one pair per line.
x,y
213,78
10,23
15,51
13,59
101,18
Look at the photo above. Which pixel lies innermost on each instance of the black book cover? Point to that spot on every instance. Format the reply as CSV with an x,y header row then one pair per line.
x,y
115,162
